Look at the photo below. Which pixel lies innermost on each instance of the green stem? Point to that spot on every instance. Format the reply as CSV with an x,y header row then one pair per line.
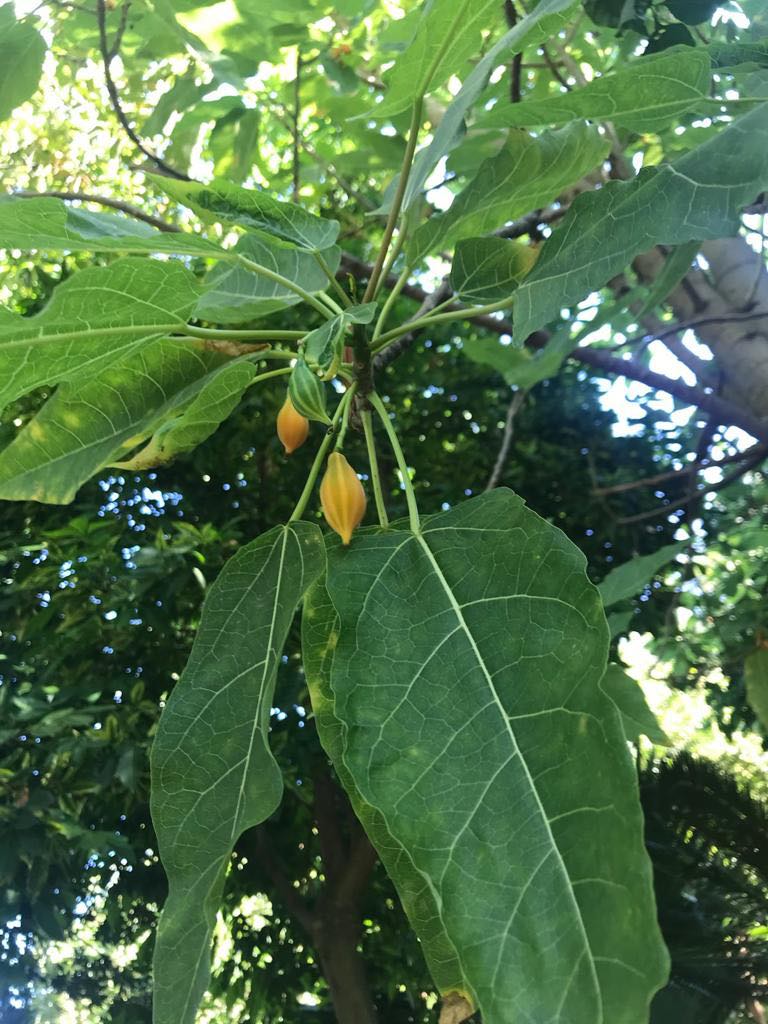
x,y
271,275
263,335
428,321
343,428
397,202
373,462
394,252
301,504
270,374
391,298
332,305
410,497
271,354
345,299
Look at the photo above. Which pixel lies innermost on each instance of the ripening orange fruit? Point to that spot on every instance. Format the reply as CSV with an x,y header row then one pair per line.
x,y
292,427
342,497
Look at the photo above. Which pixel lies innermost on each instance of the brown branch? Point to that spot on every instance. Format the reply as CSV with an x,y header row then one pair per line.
x,y
360,863
515,69
332,848
552,65
506,438
730,478
672,474
600,359
108,54
256,838
115,204
691,325
117,41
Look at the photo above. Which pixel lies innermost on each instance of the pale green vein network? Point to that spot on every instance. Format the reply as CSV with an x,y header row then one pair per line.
x,y
213,774
466,679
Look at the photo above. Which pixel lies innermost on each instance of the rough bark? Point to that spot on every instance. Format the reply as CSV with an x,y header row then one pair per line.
x,y
336,936
735,285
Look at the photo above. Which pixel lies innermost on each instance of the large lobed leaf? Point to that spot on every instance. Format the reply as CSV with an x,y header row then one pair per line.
x,y
48,223
319,635
643,97
628,579
529,172
95,318
232,293
698,197
466,677
257,211
545,21
448,34
88,424
213,774
213,398
637,719
22,51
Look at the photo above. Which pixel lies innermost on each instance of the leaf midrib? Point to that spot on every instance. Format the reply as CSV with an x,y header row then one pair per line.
x,y
505,718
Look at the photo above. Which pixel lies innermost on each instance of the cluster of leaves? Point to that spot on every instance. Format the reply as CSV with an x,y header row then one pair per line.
x,y
455,663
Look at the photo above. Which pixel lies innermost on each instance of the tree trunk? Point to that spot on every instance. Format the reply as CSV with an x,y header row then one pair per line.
x,y
336,936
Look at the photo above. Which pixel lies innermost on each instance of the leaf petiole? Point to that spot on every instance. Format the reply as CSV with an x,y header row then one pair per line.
x,y
402,465
272,275
373,462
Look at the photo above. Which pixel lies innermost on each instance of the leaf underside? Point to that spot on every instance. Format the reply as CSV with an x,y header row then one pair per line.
x,y
213,774
466,678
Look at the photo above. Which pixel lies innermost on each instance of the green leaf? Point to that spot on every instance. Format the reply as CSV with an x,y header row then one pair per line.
x,y
22,51
321,346
618,622
544,22
692,12
95,318
51,224
528,173
698,197
213,774
756,678
637,718
643,97
675,267
257,211
362,314
518,803
319,634
233,294
727,55
215,397
519,366
448,34
88,424
487,270
628,580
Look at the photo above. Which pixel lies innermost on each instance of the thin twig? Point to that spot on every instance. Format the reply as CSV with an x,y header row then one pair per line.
x,y
730,478
673,474
691,325
601,359
114,96
552,65
115,204
506,438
